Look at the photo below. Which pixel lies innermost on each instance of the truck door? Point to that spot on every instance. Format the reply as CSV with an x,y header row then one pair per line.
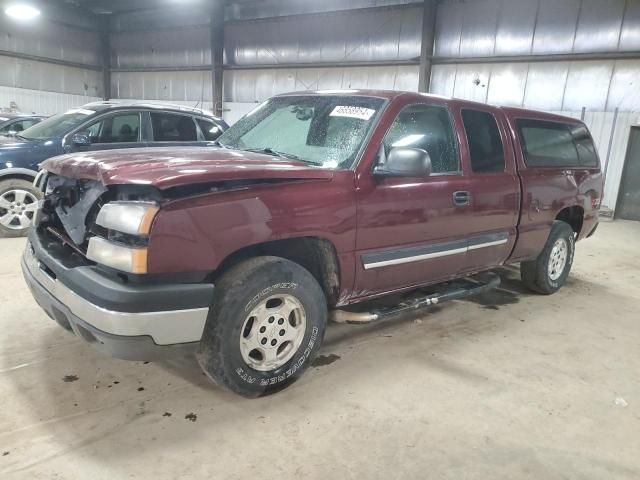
x,y
493,187
413,230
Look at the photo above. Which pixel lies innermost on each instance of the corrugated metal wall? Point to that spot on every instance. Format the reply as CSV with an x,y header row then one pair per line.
x,y
34,84
177,38
282,45
368,36
503,28
485,29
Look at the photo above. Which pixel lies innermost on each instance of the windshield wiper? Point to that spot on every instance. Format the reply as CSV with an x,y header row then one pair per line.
x,y
274,153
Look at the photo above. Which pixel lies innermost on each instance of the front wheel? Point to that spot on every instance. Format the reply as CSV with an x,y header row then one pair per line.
x,y
18,205
548,273
265,326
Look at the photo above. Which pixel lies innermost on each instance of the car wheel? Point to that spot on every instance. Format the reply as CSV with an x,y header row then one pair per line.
x,y
548,273
265,326
18,205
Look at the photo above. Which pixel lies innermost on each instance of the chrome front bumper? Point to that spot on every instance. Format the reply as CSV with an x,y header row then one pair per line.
x,y
104,327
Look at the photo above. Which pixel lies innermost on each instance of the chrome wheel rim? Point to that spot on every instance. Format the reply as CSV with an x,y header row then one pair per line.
x,y
17,209
272,332
558,259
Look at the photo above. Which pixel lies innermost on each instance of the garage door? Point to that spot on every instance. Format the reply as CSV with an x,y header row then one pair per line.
x,y
629,200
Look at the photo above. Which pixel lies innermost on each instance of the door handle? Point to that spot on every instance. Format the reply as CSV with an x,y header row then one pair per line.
x,y
461,199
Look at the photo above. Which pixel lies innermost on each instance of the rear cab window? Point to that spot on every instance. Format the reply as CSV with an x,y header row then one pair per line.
x,y
556,145
170,127
485,144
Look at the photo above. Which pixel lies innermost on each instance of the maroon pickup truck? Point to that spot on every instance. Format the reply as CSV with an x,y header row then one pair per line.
x,y
310,204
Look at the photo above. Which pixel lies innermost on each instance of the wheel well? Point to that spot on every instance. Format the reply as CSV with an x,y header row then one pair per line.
x,y
17,176
574,216
317,255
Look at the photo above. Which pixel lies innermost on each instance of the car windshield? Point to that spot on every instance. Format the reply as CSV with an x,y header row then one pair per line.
x,y
58,125
321,130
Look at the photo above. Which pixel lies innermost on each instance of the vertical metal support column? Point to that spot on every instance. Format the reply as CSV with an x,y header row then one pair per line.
x,y
428,38
217,55
610,146
105,54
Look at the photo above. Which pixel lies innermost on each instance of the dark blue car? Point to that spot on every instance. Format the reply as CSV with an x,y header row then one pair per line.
x,y
95,126
12,123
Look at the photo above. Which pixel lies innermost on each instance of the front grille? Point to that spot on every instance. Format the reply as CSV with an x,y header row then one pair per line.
x,y
69,209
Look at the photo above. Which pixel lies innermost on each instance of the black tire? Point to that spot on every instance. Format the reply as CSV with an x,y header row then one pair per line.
x,y
237,293
6,187
535,273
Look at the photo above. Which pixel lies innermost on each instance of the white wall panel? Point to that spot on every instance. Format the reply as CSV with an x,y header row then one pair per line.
x,y
161,48
472,82
599,26
40,102
181,86
365,36
630,34
48,39
508,83
516,23
546,85
624,91
517,27
44,76
560,85
249,86
588,85
479,28
278,8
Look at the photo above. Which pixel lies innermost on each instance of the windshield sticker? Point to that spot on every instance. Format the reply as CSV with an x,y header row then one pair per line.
x,y
353,112
82,111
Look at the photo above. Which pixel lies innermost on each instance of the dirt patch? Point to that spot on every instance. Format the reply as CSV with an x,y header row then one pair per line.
x,y
323,360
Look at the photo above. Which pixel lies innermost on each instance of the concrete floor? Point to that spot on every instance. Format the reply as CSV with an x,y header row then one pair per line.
x,y
511,385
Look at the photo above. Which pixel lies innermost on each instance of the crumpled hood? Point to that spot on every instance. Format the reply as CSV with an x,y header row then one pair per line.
x,y
172,167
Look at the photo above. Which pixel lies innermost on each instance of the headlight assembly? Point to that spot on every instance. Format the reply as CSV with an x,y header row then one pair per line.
x,y
133,218
128,218
120,257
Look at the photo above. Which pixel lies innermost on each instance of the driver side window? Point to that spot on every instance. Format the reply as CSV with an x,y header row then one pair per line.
x,y
122,128
429,128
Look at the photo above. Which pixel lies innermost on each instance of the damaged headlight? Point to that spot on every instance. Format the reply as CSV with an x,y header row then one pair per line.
x,y
133,218
128,218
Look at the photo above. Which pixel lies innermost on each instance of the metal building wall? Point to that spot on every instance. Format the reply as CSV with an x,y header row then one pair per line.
x,y
162,55
47,66
305,46
514,52
301,46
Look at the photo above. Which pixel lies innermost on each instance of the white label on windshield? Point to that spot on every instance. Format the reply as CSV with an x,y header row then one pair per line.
x,y
82,111
353,112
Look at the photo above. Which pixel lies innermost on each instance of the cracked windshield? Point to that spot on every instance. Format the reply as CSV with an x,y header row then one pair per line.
x,y
327,131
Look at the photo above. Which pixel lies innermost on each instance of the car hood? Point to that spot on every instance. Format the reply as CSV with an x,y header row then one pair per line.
x,y
173,167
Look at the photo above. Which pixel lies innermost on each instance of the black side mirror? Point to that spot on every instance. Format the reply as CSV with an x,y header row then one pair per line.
x,y
405,162
81,139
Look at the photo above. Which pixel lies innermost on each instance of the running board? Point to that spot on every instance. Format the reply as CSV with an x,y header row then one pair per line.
x,y
459,289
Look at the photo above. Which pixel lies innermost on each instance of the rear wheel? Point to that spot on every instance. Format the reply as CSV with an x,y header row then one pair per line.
x,y
265,326
18,205
548,273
